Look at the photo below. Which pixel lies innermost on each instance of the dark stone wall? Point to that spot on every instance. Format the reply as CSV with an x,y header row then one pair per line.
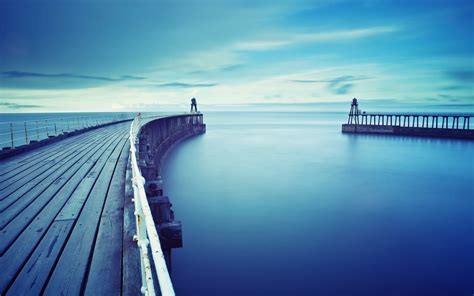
x,y
155,139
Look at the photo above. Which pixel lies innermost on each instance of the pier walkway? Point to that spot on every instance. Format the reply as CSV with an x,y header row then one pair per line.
x,y
61,219
63,229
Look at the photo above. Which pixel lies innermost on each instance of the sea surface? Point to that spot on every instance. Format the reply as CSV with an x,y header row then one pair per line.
x,y
285,204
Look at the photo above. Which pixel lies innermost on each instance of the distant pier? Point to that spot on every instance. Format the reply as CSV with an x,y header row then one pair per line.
x,y
453,125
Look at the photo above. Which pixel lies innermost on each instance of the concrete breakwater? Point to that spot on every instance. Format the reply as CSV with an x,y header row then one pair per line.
x,y
155,139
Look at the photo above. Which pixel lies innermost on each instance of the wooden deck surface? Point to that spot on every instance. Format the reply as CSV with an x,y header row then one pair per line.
x,y
62,217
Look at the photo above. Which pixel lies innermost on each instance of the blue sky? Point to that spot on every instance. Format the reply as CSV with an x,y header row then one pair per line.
x,y
150,55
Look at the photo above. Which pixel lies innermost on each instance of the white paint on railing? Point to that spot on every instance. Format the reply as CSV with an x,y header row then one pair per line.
x,y
146,230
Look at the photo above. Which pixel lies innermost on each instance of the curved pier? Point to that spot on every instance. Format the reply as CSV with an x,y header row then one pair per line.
x,y
66,221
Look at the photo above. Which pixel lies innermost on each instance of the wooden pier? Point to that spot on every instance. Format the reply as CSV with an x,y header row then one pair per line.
x,y
455,125
67,218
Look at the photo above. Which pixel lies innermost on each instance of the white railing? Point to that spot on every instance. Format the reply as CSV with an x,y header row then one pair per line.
x,y
146,230
17,133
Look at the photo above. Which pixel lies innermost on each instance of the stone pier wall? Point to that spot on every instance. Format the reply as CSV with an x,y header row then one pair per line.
x,y
155,139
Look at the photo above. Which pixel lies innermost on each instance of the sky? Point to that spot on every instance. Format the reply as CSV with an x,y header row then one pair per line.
x,y
152,55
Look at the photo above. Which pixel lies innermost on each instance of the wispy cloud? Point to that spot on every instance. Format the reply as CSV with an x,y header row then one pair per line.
x,y
457,98
18,106
338,85
464,75
21,74
332,36
454,87
186,85
35,80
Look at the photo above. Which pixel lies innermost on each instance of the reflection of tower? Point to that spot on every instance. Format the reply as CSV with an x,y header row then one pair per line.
x,y
354,113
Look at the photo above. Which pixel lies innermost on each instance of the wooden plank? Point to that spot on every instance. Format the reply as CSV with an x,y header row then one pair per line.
x,y
34,274
54,150
33,178
131,274
44,179
40,171
22,160
11,231
69,274
107,256
74,205
47,187
23,246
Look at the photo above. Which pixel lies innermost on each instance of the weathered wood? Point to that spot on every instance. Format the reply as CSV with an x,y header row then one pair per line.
x,y
21,161
36,229
47,187
69,274
34,274
11,231
33,177
50,154
36,167
25,243
107,256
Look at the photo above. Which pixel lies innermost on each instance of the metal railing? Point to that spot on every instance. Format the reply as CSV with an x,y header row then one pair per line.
x,y
17,133
442,121
146,231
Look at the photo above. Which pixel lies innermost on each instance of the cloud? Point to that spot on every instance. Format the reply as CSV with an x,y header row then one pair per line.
x,y
339,85
186,85
465,75
21,74
332,80
18,106
342,89
454,87
34,80
457,98
332,36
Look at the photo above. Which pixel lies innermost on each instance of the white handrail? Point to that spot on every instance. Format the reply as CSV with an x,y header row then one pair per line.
x,y
146,230
19,133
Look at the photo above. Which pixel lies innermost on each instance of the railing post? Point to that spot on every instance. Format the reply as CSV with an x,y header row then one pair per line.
x,y
47,129
55,130
11,135
37,131
26,134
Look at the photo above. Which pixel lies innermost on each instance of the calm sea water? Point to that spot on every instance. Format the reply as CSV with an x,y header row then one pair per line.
x,y
284,204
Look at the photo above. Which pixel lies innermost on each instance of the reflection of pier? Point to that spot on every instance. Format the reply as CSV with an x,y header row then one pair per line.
x,y
422,124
